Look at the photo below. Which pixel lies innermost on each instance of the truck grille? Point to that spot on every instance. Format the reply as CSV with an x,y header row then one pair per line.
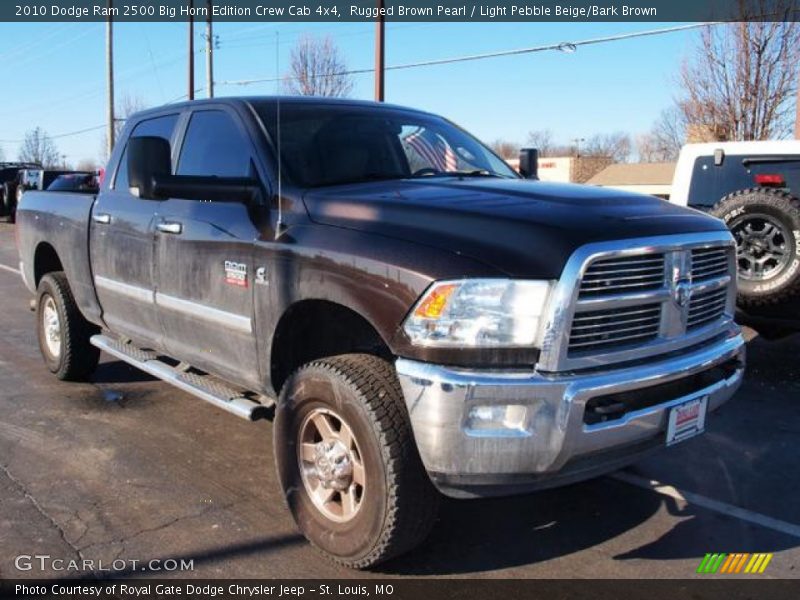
x,y
628,274
601,329
706,307
709,263
640,301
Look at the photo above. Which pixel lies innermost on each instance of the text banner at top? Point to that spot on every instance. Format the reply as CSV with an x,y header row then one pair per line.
x,y
395,11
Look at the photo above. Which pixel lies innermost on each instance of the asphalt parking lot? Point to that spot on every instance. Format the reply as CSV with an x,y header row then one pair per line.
x,y
126,467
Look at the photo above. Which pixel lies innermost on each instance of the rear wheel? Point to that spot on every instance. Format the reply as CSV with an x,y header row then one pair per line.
x,y
766,226
63,331
348,463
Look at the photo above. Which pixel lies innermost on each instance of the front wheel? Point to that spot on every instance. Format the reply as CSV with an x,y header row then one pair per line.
x,y
347,461
63,331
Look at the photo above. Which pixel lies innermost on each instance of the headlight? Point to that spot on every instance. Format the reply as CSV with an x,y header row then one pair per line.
x,y
493,313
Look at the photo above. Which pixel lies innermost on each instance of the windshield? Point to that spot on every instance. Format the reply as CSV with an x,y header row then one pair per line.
x,y
329,145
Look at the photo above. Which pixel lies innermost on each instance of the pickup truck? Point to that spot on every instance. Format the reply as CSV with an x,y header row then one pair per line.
x,y
415,316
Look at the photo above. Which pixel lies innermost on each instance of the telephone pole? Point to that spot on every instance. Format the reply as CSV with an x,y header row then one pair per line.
x,y
380,53
191,50
110,74
210,51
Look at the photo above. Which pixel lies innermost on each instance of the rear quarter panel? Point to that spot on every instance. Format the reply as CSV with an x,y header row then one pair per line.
x,y
60,220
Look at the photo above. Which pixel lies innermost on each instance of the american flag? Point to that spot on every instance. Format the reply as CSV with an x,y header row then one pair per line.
x,y
433,149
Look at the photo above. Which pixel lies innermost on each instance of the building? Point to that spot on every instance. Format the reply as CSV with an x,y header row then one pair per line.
x,y
568,169
654,179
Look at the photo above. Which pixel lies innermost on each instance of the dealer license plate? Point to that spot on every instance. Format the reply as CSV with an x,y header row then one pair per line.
x,y
687,420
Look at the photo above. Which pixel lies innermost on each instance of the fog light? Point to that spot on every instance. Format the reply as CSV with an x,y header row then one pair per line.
x,y
507,420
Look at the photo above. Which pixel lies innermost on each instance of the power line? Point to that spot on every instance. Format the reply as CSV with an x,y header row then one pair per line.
x,y
562,46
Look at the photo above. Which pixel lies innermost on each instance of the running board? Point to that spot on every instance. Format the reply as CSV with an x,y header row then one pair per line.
x,y
204,387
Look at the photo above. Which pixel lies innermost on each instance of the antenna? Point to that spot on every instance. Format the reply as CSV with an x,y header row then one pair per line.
x,y
279,225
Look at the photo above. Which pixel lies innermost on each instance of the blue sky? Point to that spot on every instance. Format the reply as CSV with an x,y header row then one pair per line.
x,y
54,75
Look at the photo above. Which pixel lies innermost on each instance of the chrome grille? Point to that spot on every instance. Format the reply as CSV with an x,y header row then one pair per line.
x,y
706,307
709,263
600,329
640,301
623,274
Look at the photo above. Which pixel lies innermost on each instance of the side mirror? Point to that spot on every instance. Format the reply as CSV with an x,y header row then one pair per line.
x,y
148,158
216,189
529,163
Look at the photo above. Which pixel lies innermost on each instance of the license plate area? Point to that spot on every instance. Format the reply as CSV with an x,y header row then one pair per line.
x,y
687,420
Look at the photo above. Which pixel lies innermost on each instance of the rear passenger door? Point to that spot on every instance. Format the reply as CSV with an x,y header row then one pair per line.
x,y
205,255
121,247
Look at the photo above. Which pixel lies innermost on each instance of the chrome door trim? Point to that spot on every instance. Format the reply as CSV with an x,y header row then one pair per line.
x,y
206,313
124,289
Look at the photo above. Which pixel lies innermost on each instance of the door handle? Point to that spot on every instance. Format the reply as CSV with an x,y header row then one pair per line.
x,y
170,227
102,218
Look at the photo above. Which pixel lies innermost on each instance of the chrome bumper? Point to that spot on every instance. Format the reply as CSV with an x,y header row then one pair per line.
x,y
550,443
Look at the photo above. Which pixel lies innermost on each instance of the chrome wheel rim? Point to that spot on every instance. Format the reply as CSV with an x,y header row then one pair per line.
x,y
761,247
51,325
331,465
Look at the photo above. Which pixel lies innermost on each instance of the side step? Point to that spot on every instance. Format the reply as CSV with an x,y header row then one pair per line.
x,y
204,387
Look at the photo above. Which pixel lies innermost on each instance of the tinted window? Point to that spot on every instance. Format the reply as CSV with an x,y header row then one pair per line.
x,y
162,127
215,145
332,145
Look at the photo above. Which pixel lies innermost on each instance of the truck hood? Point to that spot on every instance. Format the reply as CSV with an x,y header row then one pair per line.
x,y
522,228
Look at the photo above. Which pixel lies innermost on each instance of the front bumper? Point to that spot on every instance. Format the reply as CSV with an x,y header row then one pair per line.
x,y
552,442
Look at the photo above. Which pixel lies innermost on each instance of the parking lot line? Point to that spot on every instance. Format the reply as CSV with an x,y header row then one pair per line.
x,y
9,269
710,504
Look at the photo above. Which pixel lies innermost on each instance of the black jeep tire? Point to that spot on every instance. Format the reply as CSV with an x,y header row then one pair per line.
x,y
766,225
63,332
398,504
8,198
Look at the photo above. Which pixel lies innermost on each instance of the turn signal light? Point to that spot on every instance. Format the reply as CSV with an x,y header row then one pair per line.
x,y
433,306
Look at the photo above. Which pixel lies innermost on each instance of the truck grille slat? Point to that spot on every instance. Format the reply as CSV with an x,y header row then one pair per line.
x,y
634,299
709,263
599,329
706,307
633,273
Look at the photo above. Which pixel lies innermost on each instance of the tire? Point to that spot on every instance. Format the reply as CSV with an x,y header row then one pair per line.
x,y
397,504
63,332
766,225
8,197
12,211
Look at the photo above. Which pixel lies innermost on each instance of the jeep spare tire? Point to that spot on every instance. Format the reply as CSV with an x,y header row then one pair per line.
x,y
766,226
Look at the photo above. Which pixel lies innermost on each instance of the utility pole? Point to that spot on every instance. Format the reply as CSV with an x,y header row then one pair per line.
x,y
577,142
380,54
110,75
210,51
191,50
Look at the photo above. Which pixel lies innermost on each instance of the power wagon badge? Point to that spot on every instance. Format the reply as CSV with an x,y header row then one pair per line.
x,y
235,273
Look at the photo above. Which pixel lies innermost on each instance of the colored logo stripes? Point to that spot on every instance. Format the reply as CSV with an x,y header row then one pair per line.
x,y
738,562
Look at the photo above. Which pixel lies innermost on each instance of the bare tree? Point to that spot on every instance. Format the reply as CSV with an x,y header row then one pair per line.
x,y
317,69
741,81
542,140
86,164
505,149
616,146
664,140
39,148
